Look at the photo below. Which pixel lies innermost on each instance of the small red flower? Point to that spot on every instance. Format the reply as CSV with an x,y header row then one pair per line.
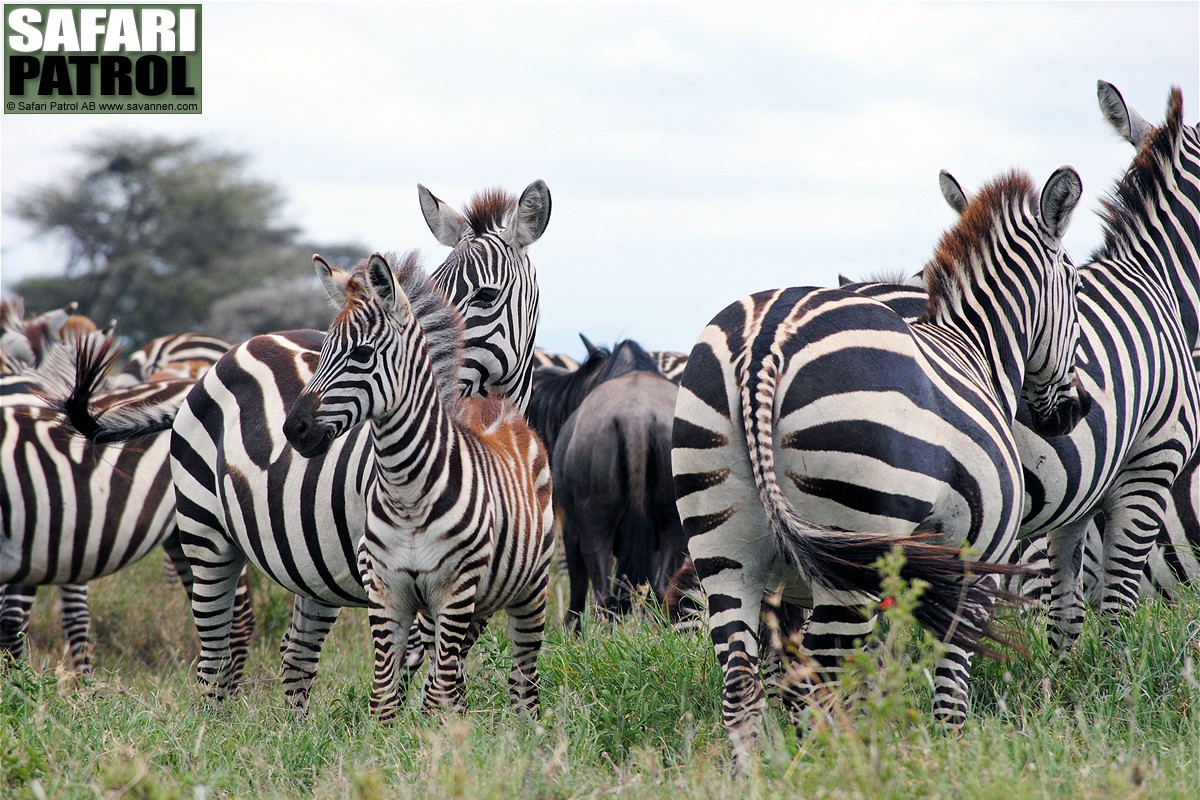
x,y
886,603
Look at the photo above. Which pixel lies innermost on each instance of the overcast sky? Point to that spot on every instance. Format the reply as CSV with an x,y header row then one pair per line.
x,y
695,152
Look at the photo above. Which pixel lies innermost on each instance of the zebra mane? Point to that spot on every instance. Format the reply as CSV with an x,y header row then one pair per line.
x,y
441,323
1127,208
947,275
896,275
488,209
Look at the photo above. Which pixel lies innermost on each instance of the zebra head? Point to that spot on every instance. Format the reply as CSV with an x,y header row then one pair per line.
x,y
1056,399
488,277
395,338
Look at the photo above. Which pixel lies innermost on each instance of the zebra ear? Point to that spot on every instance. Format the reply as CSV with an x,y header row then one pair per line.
x,y
1131,126
447,225
953,192
384,285
1059,198
844,279
333,279
528,221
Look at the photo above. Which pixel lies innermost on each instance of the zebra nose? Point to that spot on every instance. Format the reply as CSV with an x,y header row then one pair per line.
x,y
301,427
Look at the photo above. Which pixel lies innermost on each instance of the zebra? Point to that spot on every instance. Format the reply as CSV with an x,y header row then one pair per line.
x,y
67,513
245,495
38,354
877,425
548,358
183,355
1175,556
459,519
670,363
1141,433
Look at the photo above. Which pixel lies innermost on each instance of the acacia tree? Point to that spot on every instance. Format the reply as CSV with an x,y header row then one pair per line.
x,y
157,231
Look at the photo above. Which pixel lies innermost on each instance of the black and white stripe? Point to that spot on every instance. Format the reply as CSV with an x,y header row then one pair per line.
x,y
458,513
73,513
245,495
1100,498
808,413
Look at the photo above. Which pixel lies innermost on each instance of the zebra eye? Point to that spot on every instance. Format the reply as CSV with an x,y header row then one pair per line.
x,y
486,297
362,353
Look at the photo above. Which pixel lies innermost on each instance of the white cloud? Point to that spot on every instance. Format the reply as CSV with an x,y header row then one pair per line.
x,y
646,49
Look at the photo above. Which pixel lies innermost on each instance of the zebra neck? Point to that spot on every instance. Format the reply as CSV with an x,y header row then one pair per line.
x,y
413,445
1158,235
988,327
1172,241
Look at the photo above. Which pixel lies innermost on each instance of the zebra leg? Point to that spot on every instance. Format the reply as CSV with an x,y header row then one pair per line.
x,y
390,614
1092,571
420,639
734,591
216,567
837,620
1031,552
1134,516
460,686
952,672
16,604
1065,550
77,625
301,647
242,630
177,566
526,629
452,624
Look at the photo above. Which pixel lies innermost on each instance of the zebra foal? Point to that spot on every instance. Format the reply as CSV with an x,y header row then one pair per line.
x,y
807,416
459,519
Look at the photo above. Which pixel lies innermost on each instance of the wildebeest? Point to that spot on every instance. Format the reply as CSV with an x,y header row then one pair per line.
x,y
608,428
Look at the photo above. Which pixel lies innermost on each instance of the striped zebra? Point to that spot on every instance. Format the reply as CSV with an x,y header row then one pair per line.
x,y
670,364
548,358
245,495
459,520
1139,309
182,355
70,514
1170,238
878,426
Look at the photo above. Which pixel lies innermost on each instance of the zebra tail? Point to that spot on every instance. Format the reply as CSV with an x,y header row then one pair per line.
x,y
954,606
118,422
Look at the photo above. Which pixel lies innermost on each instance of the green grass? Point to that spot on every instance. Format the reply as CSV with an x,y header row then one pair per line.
x,y
631,710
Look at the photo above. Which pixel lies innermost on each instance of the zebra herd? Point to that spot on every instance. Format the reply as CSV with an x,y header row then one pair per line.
x,y
1015,420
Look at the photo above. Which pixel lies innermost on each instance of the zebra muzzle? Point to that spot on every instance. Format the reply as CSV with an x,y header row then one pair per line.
x,y
303,431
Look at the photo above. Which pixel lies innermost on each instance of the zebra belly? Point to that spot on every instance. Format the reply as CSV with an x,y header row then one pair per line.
x,y
303,538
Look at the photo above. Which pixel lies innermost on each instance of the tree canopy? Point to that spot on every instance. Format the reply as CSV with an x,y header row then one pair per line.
x,y
158,231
